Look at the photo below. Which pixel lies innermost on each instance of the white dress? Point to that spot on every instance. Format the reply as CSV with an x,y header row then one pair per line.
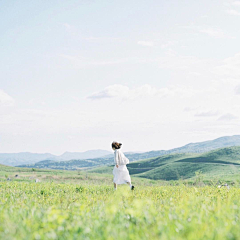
x,y
120,174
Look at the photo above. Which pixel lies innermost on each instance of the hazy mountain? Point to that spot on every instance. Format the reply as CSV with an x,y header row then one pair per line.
x,y
94,162
221,142
199,147
70,164
83,155
14,159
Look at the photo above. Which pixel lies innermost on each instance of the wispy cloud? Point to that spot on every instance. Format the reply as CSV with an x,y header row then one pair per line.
x,y
211,31
235,3
192,64
230,67
146,43
237,89
34,101
232,7
207,114
232,3
233,12
190,109
169,44
227,117
68,26
5,99
124,92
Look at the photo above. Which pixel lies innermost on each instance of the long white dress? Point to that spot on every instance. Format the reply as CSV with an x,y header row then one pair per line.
x,y
120,174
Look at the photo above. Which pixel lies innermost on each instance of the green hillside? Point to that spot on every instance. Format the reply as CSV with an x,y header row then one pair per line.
x,y
76,164
221,163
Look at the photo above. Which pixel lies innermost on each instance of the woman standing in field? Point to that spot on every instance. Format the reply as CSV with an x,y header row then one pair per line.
x,y
120,171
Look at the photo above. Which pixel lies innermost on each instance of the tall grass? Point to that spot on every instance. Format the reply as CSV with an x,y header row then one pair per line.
x,y
70,211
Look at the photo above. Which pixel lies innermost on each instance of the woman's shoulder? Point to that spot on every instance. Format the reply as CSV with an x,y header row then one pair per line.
x,y
118,151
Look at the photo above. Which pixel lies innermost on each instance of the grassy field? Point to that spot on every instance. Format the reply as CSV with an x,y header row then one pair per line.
x,y
32,175
72,211
80,205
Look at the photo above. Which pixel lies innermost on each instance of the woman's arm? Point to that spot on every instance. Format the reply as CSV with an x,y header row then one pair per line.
x,y
124,158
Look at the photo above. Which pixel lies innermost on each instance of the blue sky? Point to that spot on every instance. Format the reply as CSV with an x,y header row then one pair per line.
x,y
76,75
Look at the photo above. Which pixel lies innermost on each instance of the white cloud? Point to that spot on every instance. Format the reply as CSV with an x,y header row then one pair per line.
x,y
236,3
230,67
146,43
190,109
116,90
210,113
192,64
124,92
227,117
233,12
5,99
211,31
67,26
169,44
36,102
237,89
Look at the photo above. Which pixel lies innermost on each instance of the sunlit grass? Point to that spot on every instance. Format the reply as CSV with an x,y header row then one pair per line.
x,y
73,211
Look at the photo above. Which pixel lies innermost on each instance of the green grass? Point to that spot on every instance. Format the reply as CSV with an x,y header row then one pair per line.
x,y
83,205
180,170
73,211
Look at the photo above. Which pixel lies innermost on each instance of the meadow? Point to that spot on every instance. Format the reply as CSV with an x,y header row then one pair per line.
x,y
87,207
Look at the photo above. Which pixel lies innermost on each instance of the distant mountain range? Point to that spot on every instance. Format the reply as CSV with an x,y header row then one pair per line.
x,y
14,159
200,147
83,155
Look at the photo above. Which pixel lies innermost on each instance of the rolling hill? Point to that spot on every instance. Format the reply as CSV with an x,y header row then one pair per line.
x,y
217,163
75,164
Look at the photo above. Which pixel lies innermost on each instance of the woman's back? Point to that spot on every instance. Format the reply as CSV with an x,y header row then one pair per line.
x,y
120,158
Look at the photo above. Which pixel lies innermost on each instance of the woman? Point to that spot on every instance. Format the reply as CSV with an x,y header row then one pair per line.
x,y
120,171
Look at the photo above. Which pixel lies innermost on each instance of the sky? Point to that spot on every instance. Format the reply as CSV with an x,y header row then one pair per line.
x,y
154,75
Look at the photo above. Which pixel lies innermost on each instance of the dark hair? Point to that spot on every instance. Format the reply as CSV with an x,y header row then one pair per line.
x,y
116,145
